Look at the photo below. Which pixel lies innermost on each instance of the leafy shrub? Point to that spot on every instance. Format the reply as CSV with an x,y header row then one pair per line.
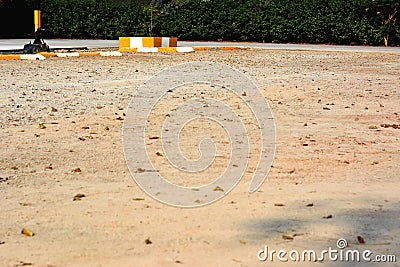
x,y
371,22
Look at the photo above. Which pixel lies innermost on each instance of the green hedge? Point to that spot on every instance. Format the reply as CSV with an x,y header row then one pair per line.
x,y
103,19
307,21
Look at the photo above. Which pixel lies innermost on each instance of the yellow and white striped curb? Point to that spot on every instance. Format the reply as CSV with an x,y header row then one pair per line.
x,y
23,57
139,42
159,49
83,54
44,55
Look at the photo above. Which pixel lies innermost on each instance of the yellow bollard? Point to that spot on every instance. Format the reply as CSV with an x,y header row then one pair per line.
x,y
36,19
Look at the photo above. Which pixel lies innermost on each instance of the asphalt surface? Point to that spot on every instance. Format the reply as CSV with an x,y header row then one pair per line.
x,y
15,44
305,47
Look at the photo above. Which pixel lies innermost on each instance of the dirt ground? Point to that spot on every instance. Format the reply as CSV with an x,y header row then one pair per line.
x,y
335,173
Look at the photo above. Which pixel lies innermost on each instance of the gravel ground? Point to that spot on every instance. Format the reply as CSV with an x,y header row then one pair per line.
x,y
335,173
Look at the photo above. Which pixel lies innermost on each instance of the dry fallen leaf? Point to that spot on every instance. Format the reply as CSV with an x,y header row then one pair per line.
x,y
48,167
242,242
27,232
287,237
217,188
140,170
78,197
23,263
360,239
42,126
394,126
77,170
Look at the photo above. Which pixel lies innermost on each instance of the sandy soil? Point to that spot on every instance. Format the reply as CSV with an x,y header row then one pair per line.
x,y
335,174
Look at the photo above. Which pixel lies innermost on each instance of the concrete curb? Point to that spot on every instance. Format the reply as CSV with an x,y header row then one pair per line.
x,y
44,55
158,50
220,48
148,42
83,54
22,57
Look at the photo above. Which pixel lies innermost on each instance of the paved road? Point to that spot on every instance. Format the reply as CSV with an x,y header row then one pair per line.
x,y
309,47
13,44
